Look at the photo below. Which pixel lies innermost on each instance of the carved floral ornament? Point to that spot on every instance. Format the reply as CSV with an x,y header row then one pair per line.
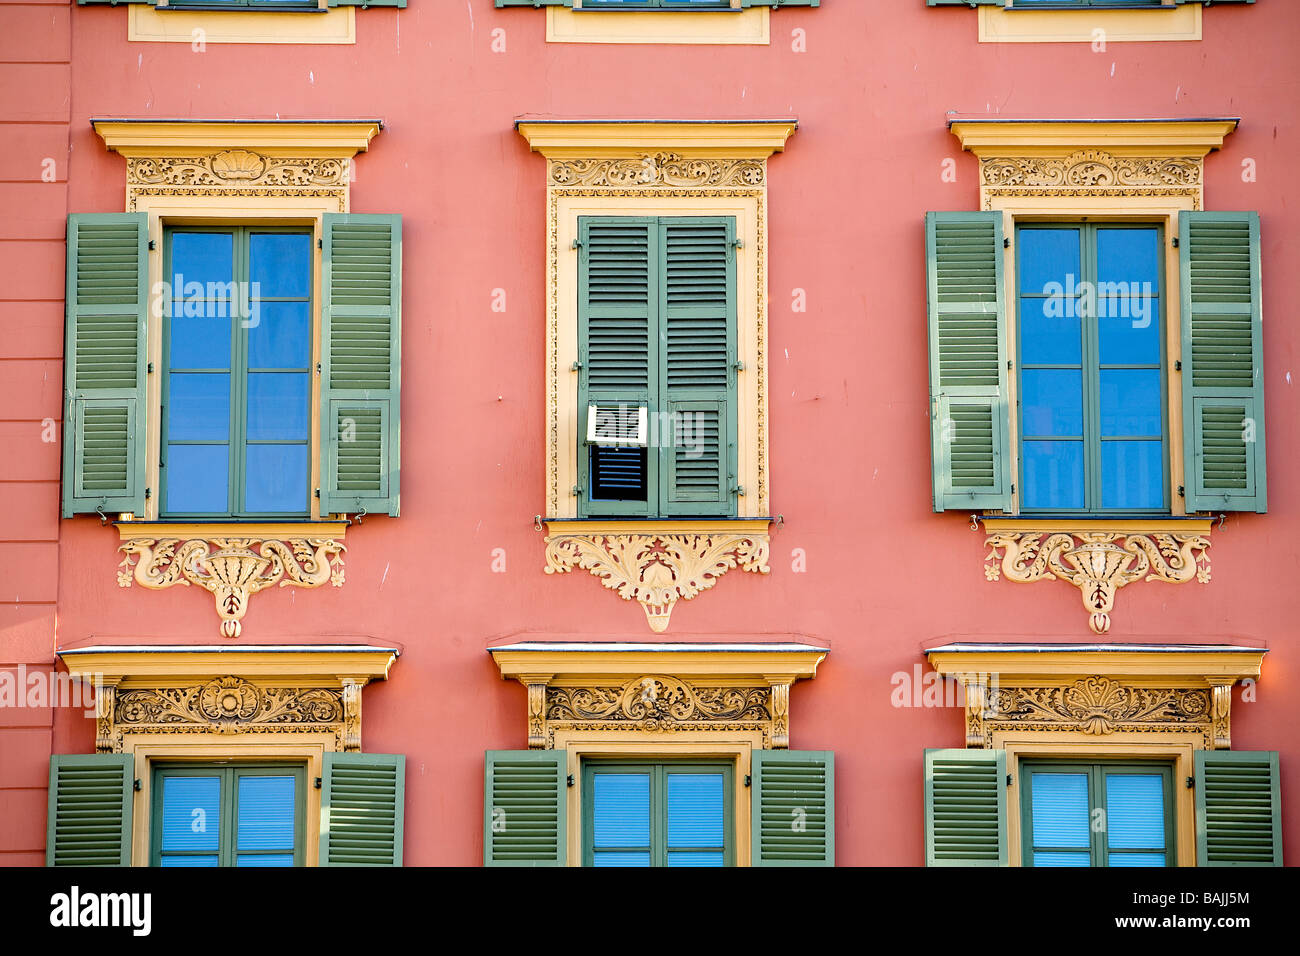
x,y
662,168
236,168
1091,174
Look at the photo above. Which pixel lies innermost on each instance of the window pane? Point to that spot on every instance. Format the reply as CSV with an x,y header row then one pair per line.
x,y
1129,256
1049,331
1052,402
198,406
266,812
191,817
1062,859
618,474
197,479
199,341
278,407
1048,256
1136,859
275,479
189,861
695,810
696,858
1060,810
201,257
1130,402
264,859
1132,474
280,264
621,811
1129,330
605,858
1135,811
279,335
1053,474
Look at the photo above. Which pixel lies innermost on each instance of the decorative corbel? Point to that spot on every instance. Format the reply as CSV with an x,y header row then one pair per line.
x,y
106,741
351,733
975,689
780,708
536,684
1221,714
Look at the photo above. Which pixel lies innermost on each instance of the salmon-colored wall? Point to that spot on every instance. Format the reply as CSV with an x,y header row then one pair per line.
x,y
849,420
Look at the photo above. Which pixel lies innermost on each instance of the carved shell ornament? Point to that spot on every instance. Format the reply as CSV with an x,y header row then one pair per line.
x,y
238,164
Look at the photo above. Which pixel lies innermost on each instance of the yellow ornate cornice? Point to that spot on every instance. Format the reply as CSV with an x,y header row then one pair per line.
x,y
1099,557
196,689
1172,137
140,137
579,139
657,687
1098,689
231,561
657,563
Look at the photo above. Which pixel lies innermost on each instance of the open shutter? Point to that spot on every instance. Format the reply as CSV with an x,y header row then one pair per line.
x,y
104,363
618,262
525,808
792,814
965,808
362,807
697,378
361,364
89,820
1223,361
969,415
1238,808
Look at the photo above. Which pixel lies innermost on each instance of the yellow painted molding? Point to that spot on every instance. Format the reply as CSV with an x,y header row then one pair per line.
x,y
132,530
1172,137
1065,662
658,27
562,139
665,526
332,138
140,665
1030,524
736,662
148,24
999,25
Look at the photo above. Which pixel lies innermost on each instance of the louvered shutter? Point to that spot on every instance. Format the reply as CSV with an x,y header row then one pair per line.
x,y
618,262
1238,808
969,416
361,364
965,808
697,376
525,808
792,814
90,809
1223,362
362,809
104,363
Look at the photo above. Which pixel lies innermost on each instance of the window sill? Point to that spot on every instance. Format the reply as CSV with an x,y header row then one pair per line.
x,y
721,27
1098,25
1046,524
148,24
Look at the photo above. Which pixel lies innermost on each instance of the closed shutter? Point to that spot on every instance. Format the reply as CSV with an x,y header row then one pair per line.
x,y
1223,361
89,821
362,809
525,808
361,364
1238,808
965,808
969,416
697,377
104,363
793,808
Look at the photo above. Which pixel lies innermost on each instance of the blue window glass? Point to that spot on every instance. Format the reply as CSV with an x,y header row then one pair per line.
x,y
265,820
1096,814
668,814
228,816
191,821
1092,409
237,393
696,819
1060,818
621,819
1135,819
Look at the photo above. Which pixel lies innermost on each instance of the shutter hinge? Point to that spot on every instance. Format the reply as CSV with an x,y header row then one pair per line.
x,y
738,243
1008,780
1191,783
748,779
1013,487
1182,491
577,244
577,490
318,368
738,490
318,783
569,780
317,492
1009,365
153,244
1006,242
739,366
148,493
1178,365
320,243
1175,242
136,785
149,368
575,367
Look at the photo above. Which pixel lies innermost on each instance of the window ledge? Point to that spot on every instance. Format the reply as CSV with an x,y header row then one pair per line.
x,y
1096,25
695,27
147,24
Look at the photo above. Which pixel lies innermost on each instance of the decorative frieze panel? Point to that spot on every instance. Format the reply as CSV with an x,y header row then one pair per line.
x,y
1097,563
657,569
658,169
236,167
1090,173
231,569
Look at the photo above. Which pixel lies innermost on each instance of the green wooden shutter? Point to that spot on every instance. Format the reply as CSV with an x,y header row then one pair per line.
x,y
697,376
89,821
104,363
361,364
969,415
965,808
1223,361
525,808
362,809
618,262
1238,808
792,814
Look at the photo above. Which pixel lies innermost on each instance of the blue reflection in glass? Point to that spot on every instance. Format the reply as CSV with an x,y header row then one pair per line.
x,y
278,406
197,479
279,335
1136,859
1052,401
1060,809
607,858
189,861
1129,330
264,859
198,406
1053,474
1130,402
266,812
621,810
1135,811
275,479
1050,333
199,341
1062,859
695,809
201,257
280,263
696,858
1048,256
191,814
1130,256
1133,475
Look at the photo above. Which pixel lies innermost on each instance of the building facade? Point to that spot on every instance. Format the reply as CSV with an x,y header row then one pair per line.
x,y
543,432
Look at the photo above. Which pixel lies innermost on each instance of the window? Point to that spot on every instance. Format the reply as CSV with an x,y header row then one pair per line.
x,y
657,5
245,4
236,396
1092,389
666,814
1097,814
1066,4
228,816
657,343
